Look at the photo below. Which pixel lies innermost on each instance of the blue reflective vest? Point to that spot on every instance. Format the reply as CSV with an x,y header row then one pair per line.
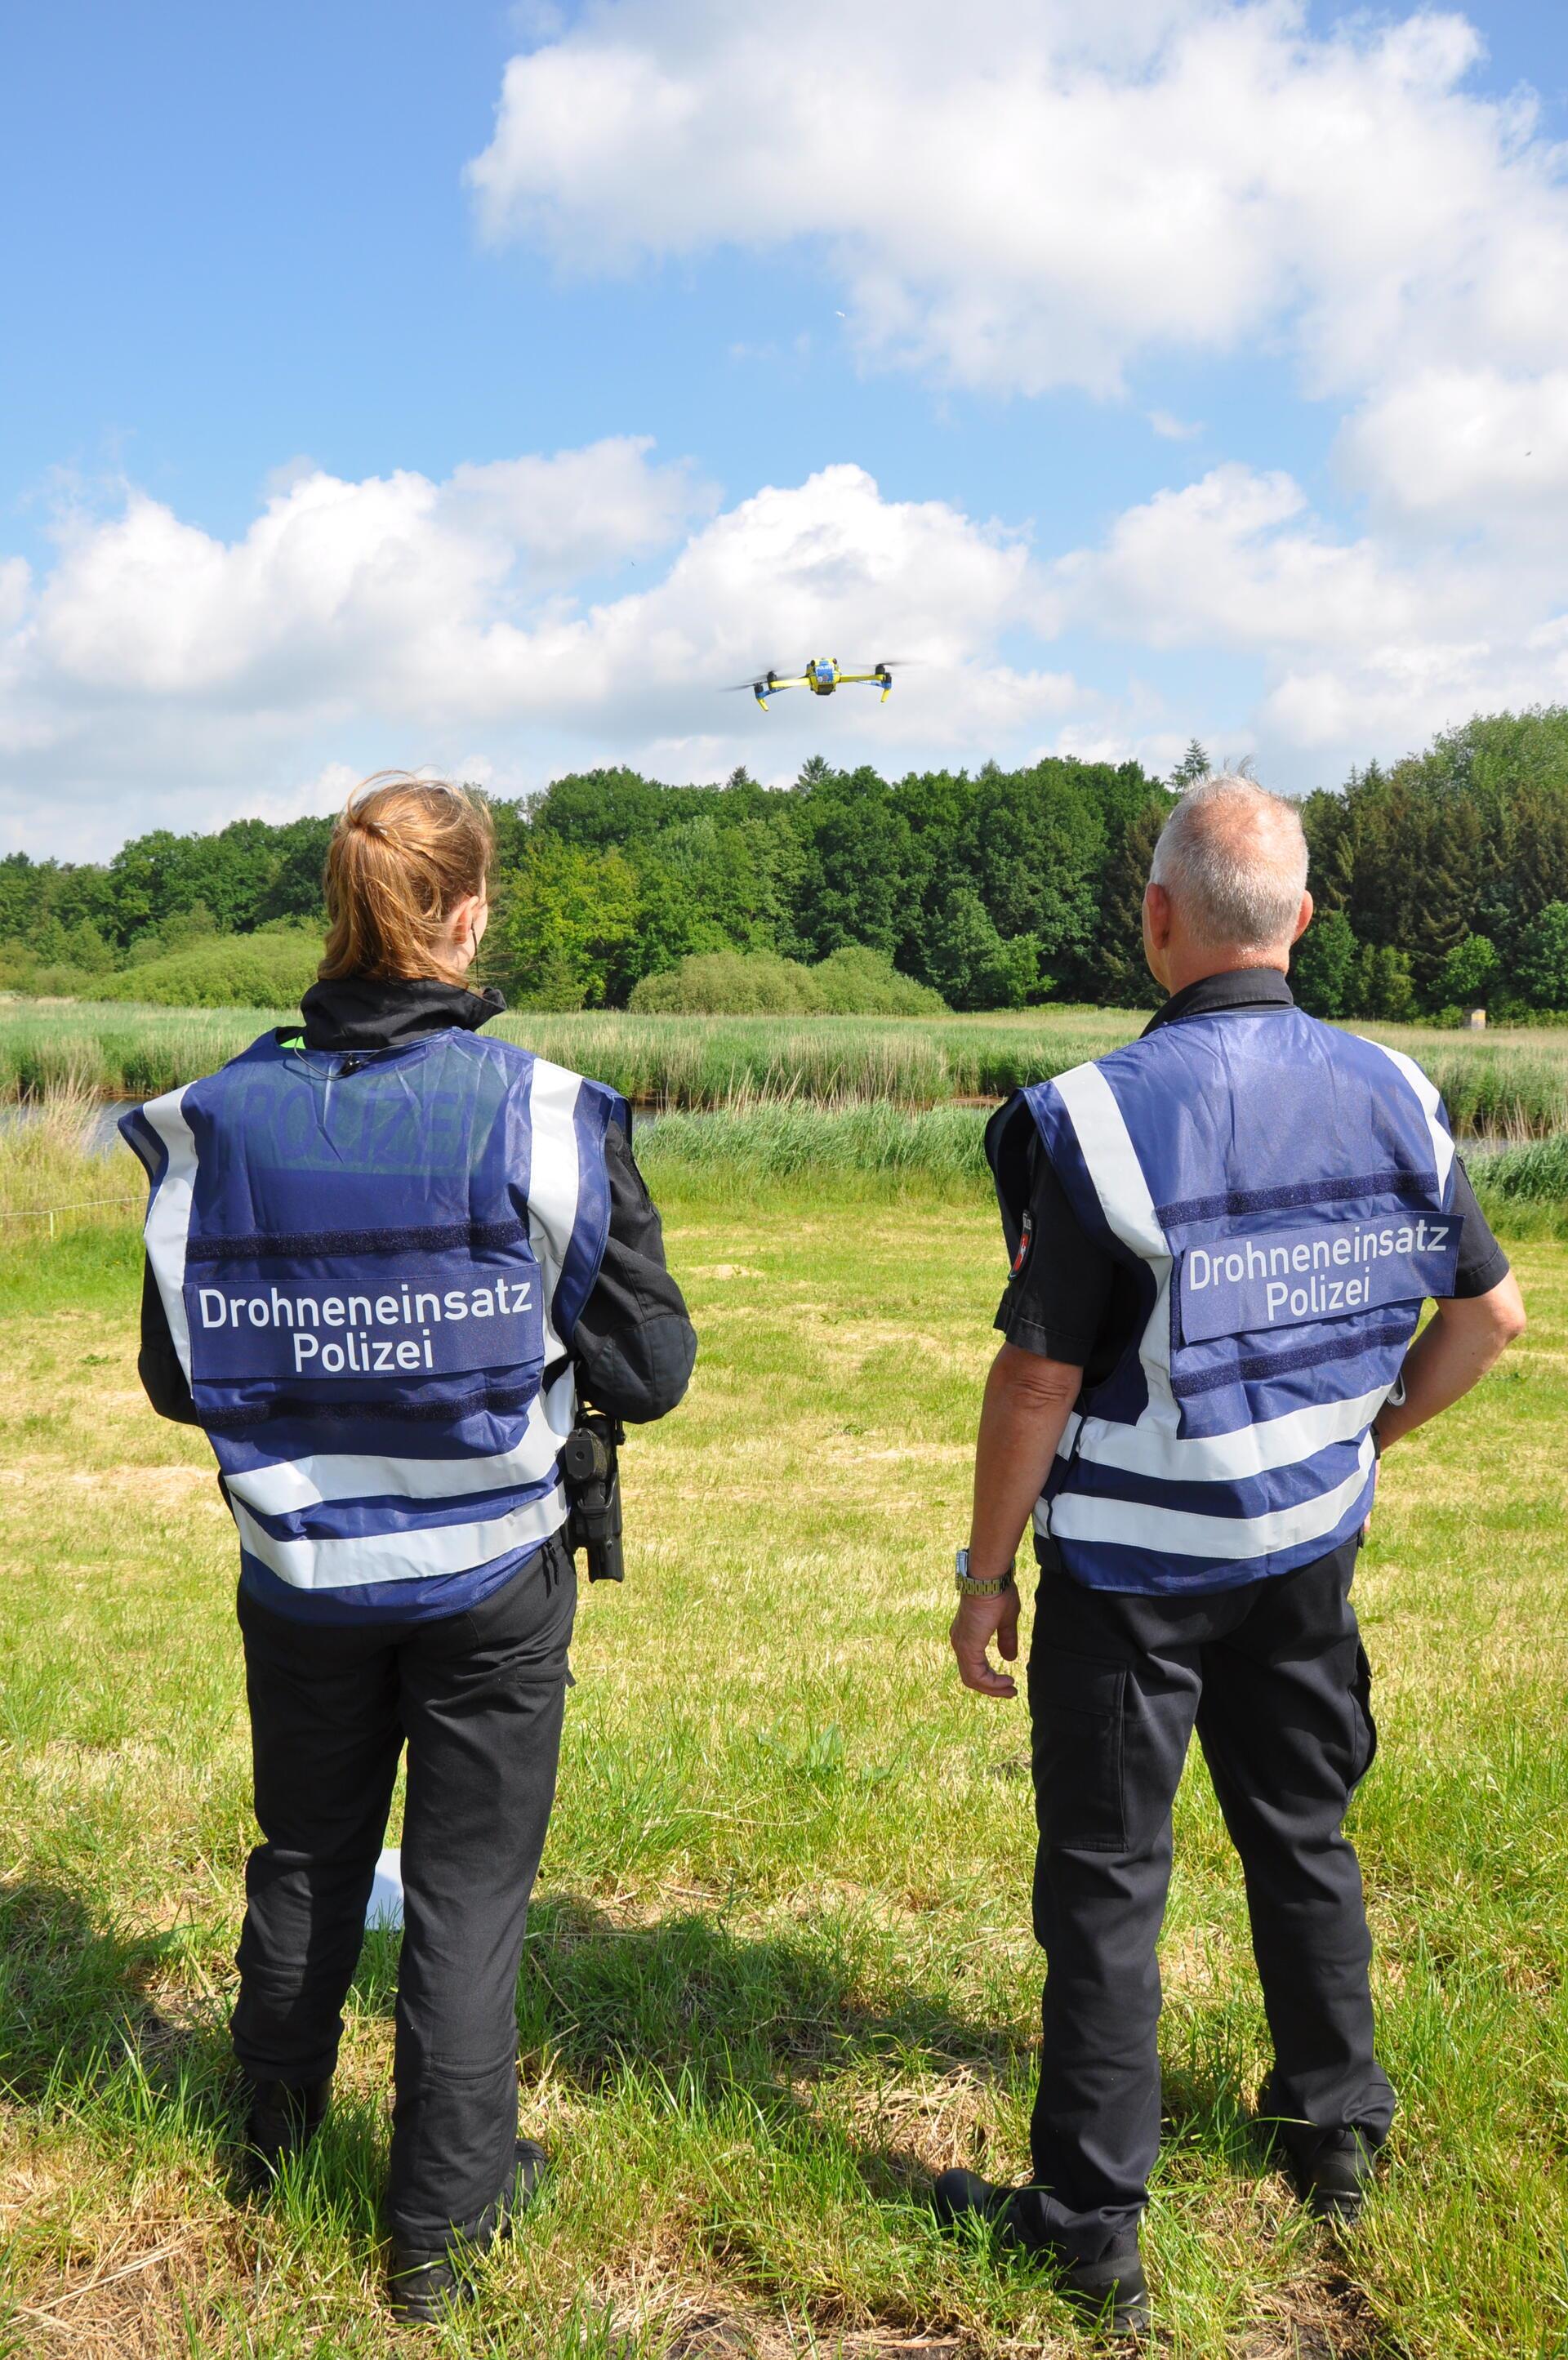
x,y
372,1264
1281,1194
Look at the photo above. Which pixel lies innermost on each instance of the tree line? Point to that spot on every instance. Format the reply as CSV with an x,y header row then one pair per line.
x,y
998,889
1441,881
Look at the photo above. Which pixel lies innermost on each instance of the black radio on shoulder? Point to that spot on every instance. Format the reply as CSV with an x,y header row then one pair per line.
x,y
592,1471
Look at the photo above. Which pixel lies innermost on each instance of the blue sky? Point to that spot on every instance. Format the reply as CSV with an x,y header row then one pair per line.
x,y
249,255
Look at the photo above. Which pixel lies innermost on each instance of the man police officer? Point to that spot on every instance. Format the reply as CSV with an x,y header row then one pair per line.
x,y
1222,1236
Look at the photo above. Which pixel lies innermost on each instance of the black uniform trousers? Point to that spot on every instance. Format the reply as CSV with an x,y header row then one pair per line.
x,y
1274,1677
478,1698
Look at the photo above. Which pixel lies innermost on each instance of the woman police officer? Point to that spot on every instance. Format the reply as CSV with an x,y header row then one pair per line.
x,y
381,1252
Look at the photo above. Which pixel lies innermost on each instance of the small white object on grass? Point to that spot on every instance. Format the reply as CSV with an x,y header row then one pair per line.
x,y
385,1915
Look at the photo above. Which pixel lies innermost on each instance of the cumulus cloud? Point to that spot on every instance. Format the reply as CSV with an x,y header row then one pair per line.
x,y
484,620
1061,196
490,625
1463,446
1238,560
1365,648
341,586
1051,193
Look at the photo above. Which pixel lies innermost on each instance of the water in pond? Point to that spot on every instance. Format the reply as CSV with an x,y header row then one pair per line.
x,y
103,1129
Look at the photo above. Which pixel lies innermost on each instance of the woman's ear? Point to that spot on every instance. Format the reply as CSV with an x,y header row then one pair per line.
x,y
465,927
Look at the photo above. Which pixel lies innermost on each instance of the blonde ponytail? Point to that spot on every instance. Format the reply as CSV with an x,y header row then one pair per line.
x,y
404,851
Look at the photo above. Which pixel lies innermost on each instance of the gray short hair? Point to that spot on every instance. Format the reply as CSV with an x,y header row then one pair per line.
x,y
1233,859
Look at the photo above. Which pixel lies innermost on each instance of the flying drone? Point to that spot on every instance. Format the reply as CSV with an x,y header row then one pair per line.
x,y
821,676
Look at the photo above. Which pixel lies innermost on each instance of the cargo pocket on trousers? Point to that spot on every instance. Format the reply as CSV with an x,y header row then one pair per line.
x,y
1366,1728
1078,1707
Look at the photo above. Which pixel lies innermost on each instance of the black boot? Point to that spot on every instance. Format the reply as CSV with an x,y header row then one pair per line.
x,y
422,2284
1111,2289
1333,2171
283,2120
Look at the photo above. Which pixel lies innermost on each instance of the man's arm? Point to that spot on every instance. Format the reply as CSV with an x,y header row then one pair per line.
x,y
1453,1352
1028,1399
1053,1315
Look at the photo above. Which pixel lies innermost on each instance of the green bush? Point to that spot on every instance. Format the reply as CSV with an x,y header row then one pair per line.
x,y
268,971
727,983
1469,971
852,982
860,982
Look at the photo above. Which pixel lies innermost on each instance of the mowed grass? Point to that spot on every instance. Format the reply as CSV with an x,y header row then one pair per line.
x,y
1507,1083
780,1968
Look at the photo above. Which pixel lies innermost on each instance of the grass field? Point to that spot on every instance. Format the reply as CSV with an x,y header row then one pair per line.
x,y
1512,1083
780,1968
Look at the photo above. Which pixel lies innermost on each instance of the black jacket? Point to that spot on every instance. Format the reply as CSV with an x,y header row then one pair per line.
x,y
634,1345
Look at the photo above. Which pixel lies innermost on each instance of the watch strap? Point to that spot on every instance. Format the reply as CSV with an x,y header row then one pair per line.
x,y
970,1586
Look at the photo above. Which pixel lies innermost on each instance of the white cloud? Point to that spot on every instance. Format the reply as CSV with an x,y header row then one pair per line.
x,y
1465,447
1044,195
486,626
1365,648
1236,561
158,671
1061,196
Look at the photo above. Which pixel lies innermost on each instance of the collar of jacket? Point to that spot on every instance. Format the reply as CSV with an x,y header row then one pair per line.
x,y
356,1013
1213,995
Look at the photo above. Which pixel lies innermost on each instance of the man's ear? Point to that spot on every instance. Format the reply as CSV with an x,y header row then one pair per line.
x,y
1157,914
1303,919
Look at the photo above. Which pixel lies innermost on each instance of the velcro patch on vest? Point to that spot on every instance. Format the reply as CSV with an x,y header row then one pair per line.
x,y
390,1317
1245,1283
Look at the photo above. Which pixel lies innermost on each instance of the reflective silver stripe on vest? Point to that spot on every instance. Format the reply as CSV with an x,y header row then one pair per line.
x,y
1259,1450
1180,1532
1431,1106
552,1180
1123,1192
421,1555
168,1227
291,1484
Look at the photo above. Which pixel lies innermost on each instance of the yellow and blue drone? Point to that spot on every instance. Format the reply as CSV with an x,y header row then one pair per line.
x,y
821,676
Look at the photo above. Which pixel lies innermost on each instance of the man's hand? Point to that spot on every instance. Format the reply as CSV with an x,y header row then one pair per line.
x,y
976,1624
1453,1351
1028,1399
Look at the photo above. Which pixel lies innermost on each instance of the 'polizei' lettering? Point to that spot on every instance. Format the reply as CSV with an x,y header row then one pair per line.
x,y
1334,1269
410,1314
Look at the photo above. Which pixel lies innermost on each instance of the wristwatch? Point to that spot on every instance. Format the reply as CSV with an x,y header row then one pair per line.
x,y
1394,1398
971,1588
